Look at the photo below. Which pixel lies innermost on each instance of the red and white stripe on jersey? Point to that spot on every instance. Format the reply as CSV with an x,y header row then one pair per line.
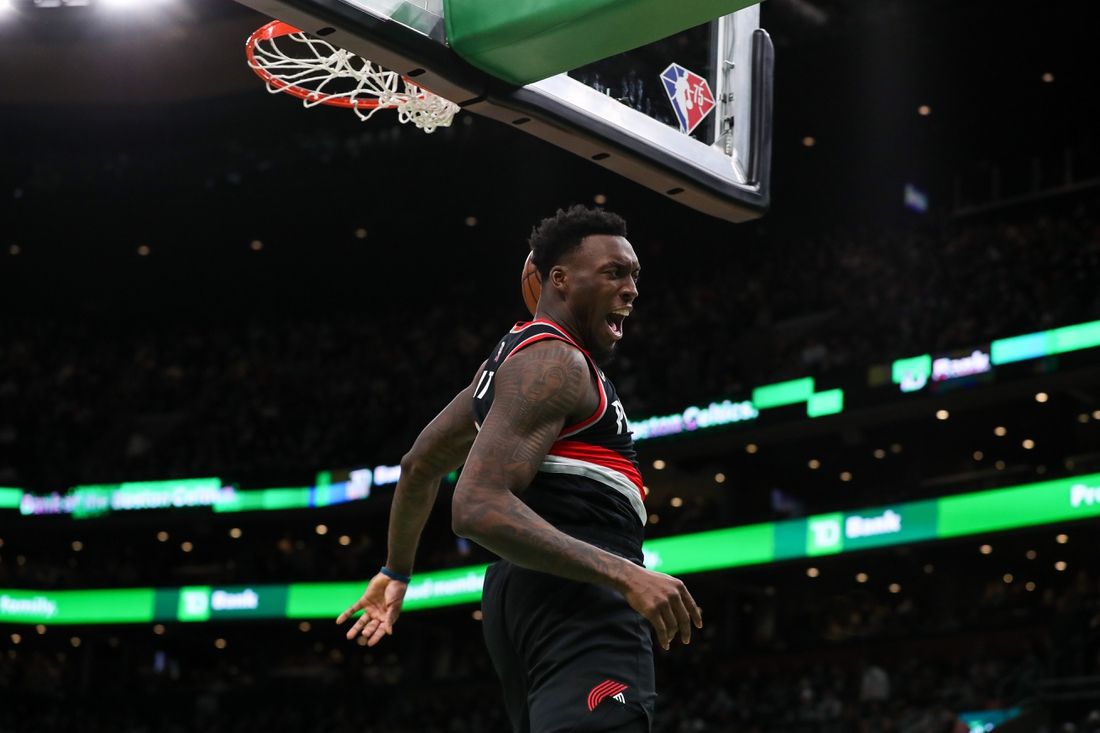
x,y
563,336
599,464
600,457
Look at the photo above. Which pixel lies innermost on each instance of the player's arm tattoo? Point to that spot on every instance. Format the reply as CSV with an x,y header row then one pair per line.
x,y
440,448
537,390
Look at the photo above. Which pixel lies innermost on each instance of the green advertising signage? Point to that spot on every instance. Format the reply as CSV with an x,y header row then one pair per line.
x,y
914,372
1046,343
823,534
205,603
1020,506
84,502
720,548
115,606
428,590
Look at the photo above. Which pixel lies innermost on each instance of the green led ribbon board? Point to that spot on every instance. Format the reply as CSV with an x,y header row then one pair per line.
x,y
1029,505
782,394
84,502
913,373
1046,343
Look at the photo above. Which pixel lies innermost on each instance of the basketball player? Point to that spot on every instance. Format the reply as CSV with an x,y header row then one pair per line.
x,y
550,485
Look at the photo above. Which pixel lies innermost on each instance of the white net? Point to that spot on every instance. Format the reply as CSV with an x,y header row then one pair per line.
x,y
320,73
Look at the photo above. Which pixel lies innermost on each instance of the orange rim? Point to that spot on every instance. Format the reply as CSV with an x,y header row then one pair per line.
x,y
277,28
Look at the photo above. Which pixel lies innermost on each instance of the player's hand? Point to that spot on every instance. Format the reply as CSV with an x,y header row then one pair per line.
x,y
381,605
665,602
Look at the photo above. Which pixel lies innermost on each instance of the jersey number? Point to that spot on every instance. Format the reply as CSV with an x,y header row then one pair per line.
x,y
486,379
620,417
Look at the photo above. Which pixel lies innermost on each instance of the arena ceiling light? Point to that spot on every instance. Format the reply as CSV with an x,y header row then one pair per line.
x,y
131,6
129,3
53,5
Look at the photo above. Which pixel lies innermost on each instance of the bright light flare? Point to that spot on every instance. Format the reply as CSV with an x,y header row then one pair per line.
x,y
131,4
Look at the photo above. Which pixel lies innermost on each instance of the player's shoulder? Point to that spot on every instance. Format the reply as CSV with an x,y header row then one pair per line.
x,y
551,373
549,352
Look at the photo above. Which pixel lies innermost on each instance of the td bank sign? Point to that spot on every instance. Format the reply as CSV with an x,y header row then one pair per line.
x,y
831,533
203,603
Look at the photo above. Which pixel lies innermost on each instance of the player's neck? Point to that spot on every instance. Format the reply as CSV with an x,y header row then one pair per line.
x,y
563,320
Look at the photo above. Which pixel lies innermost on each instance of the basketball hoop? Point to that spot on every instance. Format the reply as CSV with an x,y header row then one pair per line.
x,y
319,73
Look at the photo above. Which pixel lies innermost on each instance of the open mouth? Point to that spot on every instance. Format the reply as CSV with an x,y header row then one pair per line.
x,y
615,321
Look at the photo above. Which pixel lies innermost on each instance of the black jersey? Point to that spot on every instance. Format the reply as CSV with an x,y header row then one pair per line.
x,y
590,477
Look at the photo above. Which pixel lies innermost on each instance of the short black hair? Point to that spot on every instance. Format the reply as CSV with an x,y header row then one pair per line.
x,y
562,233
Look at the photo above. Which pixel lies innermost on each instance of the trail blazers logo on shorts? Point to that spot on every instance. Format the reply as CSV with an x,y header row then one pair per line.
x,y
606,689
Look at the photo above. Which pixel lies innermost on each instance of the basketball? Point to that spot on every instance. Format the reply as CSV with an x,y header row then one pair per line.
x,y
531,284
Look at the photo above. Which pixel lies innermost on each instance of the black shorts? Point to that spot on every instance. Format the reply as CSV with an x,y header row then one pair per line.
x,y
572,657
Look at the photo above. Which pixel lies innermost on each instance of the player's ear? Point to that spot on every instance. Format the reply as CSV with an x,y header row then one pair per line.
x,y
559,276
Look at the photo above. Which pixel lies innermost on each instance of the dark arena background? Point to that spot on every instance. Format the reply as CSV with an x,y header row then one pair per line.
x,y
869,421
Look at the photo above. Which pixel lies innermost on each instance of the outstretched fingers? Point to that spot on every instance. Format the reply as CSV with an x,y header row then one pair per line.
x,y
694,611
656,617
375,634
355,608
676,614
361,624
669,624
358,626
683,619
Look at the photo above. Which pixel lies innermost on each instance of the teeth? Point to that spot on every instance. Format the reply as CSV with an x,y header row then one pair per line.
x,y
622,312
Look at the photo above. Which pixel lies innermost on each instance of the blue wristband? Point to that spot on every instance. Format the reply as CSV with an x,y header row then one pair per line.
x,y
395,576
